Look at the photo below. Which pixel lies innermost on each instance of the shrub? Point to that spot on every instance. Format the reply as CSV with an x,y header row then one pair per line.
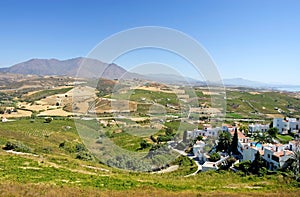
x,y
85,156
17,146
180,146
72,147
48,120
144,144
214,157
244,166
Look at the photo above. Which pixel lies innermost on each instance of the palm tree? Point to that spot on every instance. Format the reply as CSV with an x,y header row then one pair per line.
x,y
244,129
262,138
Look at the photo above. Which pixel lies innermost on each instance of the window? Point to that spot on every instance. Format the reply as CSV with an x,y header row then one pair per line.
x,y
274,158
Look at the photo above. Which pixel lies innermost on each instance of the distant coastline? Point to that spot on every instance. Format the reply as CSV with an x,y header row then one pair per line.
x,y
289,89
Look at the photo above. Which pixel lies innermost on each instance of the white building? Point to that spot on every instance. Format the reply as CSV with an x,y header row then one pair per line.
x,y
276,159
286,125
275,155
258,127
228,128
294,145
198,150
250,151
206,132
243,140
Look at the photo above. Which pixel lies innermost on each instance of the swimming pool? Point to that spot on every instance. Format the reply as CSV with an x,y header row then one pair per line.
x,y
258,145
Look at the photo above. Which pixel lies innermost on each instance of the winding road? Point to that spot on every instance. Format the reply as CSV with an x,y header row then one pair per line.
x,y
191,157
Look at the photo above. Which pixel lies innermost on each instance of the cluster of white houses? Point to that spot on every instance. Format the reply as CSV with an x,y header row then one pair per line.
x,y
284,125
274,155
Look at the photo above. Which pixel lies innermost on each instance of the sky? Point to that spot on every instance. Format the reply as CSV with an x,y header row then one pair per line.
x,y
253,39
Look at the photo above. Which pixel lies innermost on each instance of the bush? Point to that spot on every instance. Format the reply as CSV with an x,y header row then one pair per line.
x,y
164,138
214,157
17,146
244,166
48,120
73,147
85,156
144,144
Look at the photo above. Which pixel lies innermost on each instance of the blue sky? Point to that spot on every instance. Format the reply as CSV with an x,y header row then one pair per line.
x,y
257,40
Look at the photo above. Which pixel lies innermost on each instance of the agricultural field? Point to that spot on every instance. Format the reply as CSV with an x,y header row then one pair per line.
x,y
55,155
262,104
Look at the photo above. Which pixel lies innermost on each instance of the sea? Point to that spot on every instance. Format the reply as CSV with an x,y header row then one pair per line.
x,y
289,89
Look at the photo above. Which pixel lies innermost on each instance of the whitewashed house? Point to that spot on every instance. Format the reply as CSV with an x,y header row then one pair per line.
x,y
206,132
198,150
287,124
275,155
258,127
276,159
243,140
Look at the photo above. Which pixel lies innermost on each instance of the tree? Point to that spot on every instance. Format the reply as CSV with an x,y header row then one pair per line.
x,y
244,166
234,143
262,138
273,132
199,137
244,129
271,125
224,142
184,136
257,164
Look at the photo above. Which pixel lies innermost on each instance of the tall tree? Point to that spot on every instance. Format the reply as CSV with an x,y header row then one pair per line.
x,y
224,142
184,136
235,142
257,164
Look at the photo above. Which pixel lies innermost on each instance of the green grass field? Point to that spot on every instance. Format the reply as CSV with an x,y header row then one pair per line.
x,y
58,171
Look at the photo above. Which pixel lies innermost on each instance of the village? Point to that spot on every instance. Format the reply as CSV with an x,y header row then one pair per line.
x,y
252,140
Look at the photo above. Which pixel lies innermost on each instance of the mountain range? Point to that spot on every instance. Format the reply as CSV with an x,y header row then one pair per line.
x,y
92,68
77,67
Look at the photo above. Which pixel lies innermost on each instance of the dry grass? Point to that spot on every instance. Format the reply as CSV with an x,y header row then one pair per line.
x,y
49,190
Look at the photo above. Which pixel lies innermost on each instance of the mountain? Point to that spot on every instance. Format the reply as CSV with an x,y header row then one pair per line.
x,y
171,78
240,82
80,67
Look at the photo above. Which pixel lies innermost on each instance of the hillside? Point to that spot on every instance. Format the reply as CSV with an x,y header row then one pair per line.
x,y
56,163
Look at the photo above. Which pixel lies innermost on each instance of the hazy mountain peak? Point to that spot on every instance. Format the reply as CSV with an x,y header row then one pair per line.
x,y
79,66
